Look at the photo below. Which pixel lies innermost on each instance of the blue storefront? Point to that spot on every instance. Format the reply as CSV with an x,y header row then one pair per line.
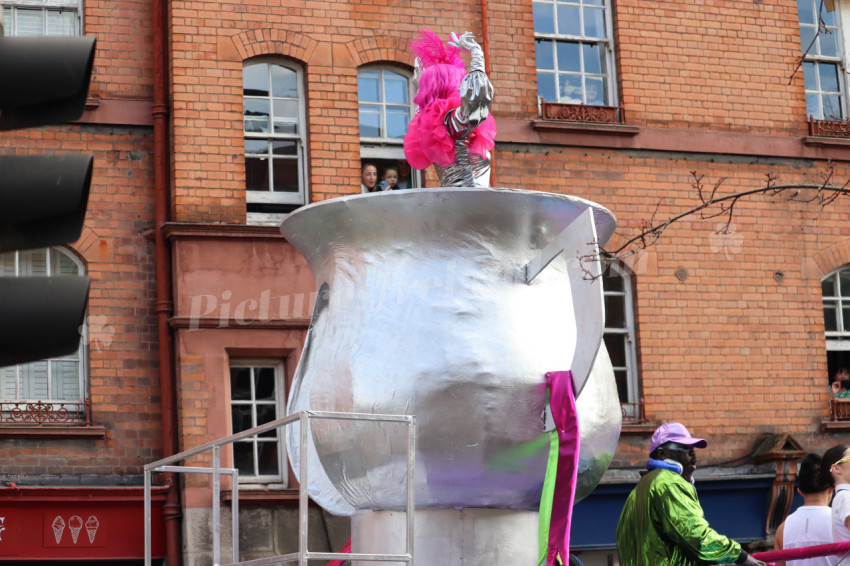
x,y
736,508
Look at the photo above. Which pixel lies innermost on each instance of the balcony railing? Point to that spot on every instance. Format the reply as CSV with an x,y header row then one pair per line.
x,y
39,413
839,409
633,413
829,128
582,113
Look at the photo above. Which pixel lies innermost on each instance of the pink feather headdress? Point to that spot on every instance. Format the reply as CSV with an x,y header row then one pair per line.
x,y
432,51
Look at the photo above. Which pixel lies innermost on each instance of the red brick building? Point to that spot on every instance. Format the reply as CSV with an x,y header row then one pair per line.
x,y
211,120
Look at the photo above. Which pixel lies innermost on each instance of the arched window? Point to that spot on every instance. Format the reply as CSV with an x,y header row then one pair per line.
x,y
275,140
52,379
836,318
27,18
620,339
385,99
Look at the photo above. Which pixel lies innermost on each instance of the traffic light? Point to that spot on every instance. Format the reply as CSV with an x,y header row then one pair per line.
x,y
43,198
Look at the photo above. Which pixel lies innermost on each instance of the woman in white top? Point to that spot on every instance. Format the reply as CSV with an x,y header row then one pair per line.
x,y
835,468
811,524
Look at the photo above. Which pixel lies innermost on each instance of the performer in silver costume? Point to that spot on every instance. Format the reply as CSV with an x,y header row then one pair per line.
x,y
456,102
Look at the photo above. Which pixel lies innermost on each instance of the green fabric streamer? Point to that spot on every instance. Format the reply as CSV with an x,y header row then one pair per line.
x,y
547,499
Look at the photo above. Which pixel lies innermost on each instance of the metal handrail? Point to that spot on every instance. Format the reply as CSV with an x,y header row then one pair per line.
x,y
303,555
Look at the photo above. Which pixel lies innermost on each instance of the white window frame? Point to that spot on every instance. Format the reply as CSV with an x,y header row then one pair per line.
x,y
840,60
80,355
11,7
632,378
282,479
384,148
606,43
270,196
837,339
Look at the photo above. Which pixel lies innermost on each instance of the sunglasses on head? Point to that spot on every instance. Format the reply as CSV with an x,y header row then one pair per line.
x,y
839,462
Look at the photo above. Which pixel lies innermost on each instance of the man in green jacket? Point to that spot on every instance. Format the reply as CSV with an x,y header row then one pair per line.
x,y
662,523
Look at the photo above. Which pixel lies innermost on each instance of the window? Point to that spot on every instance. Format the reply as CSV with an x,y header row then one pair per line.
x,y
575,51
41,17
820,40
275,158
256,398
53,379
619,339
836,315
385,107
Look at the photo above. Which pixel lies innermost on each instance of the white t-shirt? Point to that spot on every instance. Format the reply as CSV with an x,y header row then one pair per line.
x,y
840,512
809,525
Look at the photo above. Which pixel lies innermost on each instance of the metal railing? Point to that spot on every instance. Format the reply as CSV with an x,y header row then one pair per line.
x,y
303,555
46,413
839,409
633,413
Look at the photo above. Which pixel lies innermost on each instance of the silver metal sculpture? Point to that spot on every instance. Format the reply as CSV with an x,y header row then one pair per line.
x,y
424,308
451,304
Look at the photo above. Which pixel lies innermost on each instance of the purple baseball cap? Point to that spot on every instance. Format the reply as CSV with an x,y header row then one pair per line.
x,y
674,432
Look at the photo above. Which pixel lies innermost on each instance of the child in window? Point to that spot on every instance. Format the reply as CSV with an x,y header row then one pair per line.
x,y
390,179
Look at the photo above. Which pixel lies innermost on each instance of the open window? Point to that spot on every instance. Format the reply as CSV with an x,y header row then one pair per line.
x,y
385,100
275,140
836,314
620,339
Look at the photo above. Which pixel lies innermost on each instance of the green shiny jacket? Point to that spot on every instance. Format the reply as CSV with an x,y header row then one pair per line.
x,y
662,524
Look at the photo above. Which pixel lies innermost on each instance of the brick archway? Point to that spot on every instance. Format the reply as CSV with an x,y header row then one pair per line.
x,y
367,50
832,257
274,41
91,247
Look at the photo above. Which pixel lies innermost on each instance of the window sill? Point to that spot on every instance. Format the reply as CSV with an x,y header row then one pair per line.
x,y
826,141
829,425
263,496
52,431
643,429
585,127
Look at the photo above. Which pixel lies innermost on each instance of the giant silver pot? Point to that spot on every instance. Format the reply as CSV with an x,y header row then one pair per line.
x,y
422,308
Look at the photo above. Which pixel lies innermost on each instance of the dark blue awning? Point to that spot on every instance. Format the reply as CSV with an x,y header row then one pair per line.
x,y
735,508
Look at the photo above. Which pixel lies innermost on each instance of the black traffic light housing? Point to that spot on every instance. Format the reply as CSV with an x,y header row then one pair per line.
x,y
43,198
45,80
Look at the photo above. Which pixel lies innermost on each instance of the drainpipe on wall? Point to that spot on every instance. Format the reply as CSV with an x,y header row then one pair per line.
x,y
159,110
485,46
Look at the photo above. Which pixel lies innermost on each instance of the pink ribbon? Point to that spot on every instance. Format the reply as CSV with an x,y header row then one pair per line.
x,y
345,549
803,552
563,405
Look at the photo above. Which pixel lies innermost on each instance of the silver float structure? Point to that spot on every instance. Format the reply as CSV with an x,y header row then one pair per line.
x,y
427,305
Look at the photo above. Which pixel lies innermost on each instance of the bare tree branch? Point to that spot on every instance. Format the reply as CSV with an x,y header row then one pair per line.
x,y
821,29
713,206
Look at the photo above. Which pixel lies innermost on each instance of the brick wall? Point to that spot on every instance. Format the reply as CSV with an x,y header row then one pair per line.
x,y
705,65
122,358
122,350
700,66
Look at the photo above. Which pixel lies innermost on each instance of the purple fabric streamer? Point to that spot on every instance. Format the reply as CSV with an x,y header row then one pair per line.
x,y
563,405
